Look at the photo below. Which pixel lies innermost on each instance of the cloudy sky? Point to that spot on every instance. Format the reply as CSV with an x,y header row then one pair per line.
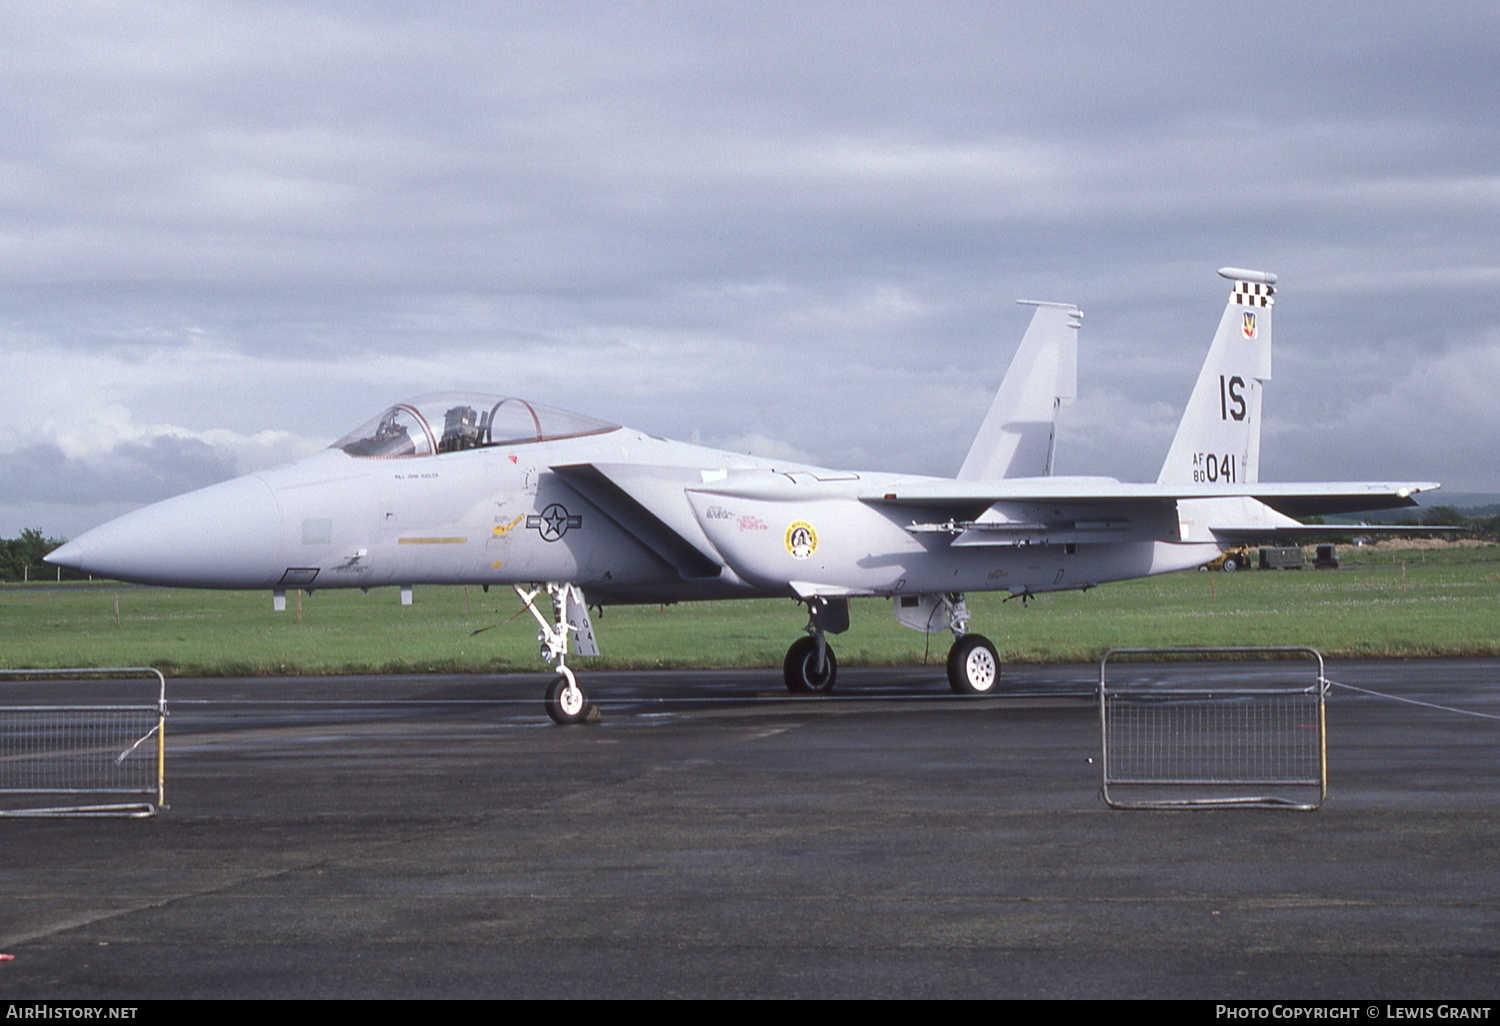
x,y
230,232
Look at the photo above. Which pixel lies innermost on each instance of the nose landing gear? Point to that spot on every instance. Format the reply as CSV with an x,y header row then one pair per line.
x,y
566,702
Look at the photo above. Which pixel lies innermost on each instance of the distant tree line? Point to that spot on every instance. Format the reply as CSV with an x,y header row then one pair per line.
x,y
1481,522
1485,521
21,558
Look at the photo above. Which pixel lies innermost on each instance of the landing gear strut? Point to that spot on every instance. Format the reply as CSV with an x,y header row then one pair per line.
x,y
810,666
566,701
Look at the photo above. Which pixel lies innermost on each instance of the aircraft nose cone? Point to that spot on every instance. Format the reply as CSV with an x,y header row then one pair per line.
x,y
69,555
225,536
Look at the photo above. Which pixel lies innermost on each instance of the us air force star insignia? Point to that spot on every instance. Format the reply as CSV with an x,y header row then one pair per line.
x,y
554,522
1247,327
801,539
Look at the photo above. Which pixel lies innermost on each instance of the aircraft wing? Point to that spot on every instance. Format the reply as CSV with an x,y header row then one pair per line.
x,y
1293,500
648,502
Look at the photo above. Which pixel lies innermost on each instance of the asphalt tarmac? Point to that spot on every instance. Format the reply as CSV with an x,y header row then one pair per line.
x,y
713,837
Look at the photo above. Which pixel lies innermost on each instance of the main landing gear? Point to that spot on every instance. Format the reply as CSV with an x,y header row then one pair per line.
x,y
810,666
566,701
973,666
973,663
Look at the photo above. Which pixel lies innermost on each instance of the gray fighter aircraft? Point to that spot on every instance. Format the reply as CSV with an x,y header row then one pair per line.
x,y
459,488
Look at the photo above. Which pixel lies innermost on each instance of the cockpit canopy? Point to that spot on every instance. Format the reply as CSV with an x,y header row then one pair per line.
x,y
452,421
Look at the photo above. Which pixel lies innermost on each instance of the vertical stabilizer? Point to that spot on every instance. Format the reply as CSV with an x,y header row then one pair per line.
x,y
1018,436
1218,440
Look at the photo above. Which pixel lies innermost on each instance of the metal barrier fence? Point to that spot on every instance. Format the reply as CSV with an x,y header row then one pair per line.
x,y
1201,735
71,732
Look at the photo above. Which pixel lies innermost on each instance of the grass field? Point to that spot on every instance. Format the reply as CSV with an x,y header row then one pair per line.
x,y
1396,603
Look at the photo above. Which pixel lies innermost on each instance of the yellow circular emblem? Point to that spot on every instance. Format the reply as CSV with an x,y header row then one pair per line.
x,y
801,539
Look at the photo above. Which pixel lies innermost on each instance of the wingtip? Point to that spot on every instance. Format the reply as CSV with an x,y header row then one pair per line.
x,y
1242,274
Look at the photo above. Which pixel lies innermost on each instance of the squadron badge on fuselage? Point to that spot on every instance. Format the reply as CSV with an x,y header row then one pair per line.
x,y
801,539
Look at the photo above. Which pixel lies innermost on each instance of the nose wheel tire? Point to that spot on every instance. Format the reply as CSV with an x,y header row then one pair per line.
x,y
801,668
973,666
566,702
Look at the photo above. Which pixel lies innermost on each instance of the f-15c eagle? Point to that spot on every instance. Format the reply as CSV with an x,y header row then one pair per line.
x,y
461,488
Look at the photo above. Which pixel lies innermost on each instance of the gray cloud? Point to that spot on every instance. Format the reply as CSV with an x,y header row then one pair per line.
x,y
130,472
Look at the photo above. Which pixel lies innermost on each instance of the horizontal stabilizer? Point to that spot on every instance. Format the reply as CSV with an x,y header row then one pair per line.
x,y
1312,532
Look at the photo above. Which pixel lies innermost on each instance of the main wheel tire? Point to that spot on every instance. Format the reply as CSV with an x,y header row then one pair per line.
x,y
973,666
800,671
566,702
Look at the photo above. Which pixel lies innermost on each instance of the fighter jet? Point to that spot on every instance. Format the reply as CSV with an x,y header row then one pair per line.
x,y
460,488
